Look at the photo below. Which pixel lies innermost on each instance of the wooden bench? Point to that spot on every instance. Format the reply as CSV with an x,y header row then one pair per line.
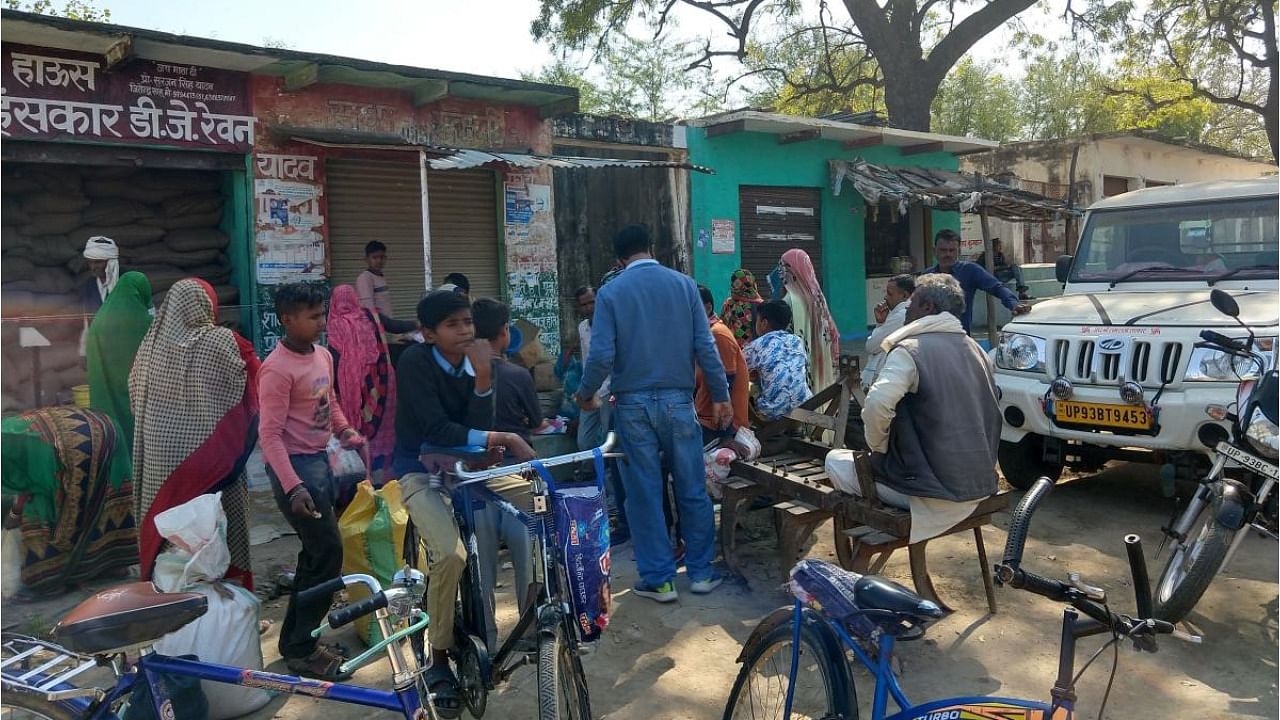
x,y
866,530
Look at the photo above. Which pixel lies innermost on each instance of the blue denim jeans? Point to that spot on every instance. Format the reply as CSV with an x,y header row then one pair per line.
x,y
663,421
593,427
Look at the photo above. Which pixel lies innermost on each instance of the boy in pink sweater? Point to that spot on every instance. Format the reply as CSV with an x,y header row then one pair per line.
x,y
298,414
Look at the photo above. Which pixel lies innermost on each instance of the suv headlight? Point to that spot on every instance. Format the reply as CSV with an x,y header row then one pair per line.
x,y
1212,365
1016,351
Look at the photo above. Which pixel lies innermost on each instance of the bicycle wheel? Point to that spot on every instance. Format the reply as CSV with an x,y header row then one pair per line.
x,y
17,705
823,688
562,683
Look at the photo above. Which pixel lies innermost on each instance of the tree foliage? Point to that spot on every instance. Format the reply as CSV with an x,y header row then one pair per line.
x,y
976,100
910,44
74,9
1222,52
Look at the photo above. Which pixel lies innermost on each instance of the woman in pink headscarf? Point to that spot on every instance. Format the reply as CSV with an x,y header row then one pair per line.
x,y
366,381
810,318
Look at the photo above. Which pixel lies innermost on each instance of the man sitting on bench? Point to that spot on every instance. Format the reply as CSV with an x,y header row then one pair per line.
x,y
932,419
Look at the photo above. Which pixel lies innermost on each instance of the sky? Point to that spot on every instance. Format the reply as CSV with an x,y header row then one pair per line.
x,y
485,37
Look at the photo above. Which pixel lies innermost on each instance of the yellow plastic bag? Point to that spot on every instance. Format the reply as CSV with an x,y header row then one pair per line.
x,y
373,528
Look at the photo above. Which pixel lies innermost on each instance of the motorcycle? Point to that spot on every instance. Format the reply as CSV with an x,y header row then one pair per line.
x,y
1238,493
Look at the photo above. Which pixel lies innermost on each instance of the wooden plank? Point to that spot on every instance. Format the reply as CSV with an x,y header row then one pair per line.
x,y
864,142
801,136
922,148
879,538
859,531
728,128
809,417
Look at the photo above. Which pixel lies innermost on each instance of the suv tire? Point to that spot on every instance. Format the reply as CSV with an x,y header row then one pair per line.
x,y
1022,463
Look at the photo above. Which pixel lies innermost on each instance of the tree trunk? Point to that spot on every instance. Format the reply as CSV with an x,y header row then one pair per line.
x,y
909,95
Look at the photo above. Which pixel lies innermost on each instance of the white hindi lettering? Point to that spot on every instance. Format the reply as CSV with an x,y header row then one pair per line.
x,y
41,116
144,118
54,72
287,167
180,121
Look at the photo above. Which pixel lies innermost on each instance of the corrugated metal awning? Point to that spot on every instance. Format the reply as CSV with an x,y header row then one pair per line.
x,y
945,190
447,158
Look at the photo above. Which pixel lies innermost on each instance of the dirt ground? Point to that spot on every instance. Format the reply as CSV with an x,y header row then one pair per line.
x,y
678,661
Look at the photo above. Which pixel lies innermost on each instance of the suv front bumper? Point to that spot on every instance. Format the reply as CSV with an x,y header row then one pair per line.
x,y
1180,413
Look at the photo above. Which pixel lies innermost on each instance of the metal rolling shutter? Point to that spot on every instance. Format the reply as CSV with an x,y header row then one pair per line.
x,y
377,200
464,228
380,200
775,219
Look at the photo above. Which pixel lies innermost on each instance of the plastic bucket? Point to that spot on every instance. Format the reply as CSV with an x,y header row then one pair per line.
x,y
80,395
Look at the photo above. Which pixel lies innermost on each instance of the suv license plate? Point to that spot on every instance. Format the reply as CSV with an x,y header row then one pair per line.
x,y
1256,464
1128,417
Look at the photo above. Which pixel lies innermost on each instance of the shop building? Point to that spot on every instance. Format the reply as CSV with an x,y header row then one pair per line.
x,y
773,190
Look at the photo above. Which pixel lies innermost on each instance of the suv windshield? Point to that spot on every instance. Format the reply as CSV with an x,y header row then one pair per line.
x,y
1195,241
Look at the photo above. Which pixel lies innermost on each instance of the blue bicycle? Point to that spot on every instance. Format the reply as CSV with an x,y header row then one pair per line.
x,y
115,627
794,664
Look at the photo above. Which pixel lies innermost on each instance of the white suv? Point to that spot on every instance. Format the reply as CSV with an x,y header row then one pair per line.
x,y
1111,370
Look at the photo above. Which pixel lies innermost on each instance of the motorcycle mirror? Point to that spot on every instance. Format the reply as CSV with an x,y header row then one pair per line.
x,y
1224,303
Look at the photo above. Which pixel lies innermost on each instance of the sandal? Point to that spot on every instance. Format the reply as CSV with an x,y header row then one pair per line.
x,y
336,649
444,691
321,664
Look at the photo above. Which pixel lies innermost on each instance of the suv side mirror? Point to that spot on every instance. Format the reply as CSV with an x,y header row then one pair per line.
x,y
1063,268
1224,303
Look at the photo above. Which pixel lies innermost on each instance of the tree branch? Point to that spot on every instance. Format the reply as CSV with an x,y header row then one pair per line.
x,y
962,38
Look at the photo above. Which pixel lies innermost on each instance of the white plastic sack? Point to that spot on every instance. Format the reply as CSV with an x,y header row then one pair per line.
x,y
717,464
226,635
842,471
198,531
346,465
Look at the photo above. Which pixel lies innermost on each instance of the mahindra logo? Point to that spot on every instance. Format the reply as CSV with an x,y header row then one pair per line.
x,y
1111,344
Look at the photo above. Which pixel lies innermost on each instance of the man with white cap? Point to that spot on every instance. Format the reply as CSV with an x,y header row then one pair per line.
x,y
104,263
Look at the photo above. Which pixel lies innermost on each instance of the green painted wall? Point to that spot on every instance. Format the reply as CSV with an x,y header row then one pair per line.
x,y
749,158
237,223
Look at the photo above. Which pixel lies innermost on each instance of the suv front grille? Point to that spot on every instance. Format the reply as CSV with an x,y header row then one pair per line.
x,y
1082,360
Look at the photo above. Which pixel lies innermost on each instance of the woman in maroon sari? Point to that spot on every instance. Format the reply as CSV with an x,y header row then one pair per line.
x,y
193,390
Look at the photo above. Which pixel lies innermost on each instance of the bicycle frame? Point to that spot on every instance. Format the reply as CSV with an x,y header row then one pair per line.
x,y
887,686
151,667
474,612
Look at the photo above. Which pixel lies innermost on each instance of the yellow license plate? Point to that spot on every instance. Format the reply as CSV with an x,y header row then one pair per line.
x,y
1117,416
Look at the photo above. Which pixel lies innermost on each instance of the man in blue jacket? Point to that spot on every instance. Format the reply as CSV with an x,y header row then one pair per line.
x,y
648,330
971,276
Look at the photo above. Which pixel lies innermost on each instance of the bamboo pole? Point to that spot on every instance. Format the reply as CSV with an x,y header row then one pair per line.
x,y
987,261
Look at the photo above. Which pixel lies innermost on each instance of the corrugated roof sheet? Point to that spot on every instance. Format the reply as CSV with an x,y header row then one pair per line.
x,y
945,190
447,158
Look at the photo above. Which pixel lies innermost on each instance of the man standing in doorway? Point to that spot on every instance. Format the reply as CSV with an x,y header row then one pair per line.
x,y
971,276
664,331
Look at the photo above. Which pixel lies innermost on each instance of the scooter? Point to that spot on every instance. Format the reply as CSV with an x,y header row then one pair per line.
x,y
1238,493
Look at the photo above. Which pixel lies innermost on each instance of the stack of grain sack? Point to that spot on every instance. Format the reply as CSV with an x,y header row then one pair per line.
x,y
165,223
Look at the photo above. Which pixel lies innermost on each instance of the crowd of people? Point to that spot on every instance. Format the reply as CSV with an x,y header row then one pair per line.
x,y
178,402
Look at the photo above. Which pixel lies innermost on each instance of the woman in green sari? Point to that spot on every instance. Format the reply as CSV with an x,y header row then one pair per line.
x,y
111,344
67,471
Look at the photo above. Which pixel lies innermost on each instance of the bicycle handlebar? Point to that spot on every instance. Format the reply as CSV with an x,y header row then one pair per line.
x,y
344,615
323,590
1010,572
480,475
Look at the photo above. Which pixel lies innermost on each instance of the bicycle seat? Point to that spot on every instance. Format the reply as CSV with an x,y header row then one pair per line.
x,y
873,591
125,616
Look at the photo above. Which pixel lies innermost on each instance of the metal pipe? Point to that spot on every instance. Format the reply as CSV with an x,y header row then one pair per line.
x,y
1141,581
426,221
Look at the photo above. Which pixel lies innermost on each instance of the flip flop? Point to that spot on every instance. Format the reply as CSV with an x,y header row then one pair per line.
x,y
319,665
444,692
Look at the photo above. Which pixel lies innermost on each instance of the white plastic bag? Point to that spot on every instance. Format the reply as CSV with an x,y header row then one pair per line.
x,y
346,465
226,635
198,531
717,464
842,471
747,439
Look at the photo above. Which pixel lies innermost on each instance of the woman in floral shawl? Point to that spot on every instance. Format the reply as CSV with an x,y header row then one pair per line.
x,y
194,393
810,317
739,309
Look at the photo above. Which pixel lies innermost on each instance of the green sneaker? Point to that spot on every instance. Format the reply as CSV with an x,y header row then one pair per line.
x,y
664,593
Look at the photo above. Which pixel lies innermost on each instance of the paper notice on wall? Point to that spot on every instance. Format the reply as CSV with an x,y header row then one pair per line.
x,y
723,237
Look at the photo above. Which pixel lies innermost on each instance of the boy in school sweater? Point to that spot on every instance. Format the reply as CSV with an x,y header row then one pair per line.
x,y
446,400
298,415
